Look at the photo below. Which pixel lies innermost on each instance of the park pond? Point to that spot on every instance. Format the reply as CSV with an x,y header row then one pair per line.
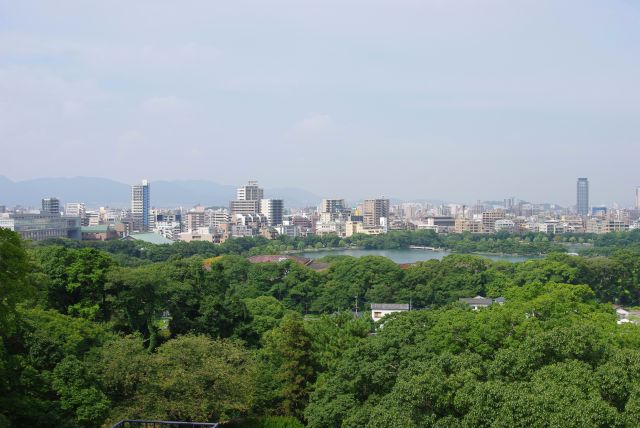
x,y
407,255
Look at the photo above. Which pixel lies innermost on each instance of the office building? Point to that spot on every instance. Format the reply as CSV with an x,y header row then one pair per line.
x,y
273,209
41,226
582,196
374,211
141,206
50,206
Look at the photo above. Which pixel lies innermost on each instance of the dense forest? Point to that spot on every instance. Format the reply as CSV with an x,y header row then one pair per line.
x,y
91,333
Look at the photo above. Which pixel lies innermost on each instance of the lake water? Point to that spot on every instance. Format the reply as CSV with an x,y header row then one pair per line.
x,y
405,255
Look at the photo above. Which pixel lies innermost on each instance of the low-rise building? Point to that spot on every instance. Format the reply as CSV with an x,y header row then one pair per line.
x,y
102,232
504,225
150,237
598,225
353,227
480,302
200,234
290,230
41,226
380,310
552,227
468,225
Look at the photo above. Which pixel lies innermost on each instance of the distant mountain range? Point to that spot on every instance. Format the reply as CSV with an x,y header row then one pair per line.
x,y
96,192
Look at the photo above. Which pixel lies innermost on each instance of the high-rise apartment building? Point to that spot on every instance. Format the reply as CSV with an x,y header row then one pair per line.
x,y
195,220
50,206
638,198
374,210
244,207
141,206
250,192
247,199
333,206
582,196
273,209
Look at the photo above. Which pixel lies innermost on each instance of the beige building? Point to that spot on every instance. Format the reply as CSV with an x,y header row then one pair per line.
x,y
374,210
201,234
489,219
468,225
597,225
244,207
194,220
353,227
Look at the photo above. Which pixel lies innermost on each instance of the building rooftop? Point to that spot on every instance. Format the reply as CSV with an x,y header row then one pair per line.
x,y
390,306
482,301
150,237
95,229
478,300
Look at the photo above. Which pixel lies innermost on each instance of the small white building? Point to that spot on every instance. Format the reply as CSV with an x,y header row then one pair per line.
x,y
379,310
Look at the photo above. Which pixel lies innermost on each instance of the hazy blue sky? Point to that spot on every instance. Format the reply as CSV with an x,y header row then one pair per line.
x,y
459,100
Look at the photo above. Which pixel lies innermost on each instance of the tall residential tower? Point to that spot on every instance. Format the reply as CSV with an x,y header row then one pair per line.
x,y
273,209
141,206
582,196
247,199
374,210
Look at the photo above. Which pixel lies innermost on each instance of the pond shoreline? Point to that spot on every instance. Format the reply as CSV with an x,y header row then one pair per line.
x,y
407,255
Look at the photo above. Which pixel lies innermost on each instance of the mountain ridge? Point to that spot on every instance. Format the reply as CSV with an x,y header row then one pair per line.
x,y
97,191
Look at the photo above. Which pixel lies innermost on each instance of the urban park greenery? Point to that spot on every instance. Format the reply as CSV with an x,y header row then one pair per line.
x,y
91,333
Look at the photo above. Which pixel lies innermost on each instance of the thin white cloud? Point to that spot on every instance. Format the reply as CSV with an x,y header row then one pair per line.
x,y
314,123
170,105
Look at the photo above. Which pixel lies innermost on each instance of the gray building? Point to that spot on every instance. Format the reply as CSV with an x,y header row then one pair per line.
x,y
333,206
38,227
50,206
582,197
273,209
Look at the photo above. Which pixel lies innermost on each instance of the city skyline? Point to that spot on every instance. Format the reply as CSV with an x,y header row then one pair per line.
x,y
465,100
631,200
